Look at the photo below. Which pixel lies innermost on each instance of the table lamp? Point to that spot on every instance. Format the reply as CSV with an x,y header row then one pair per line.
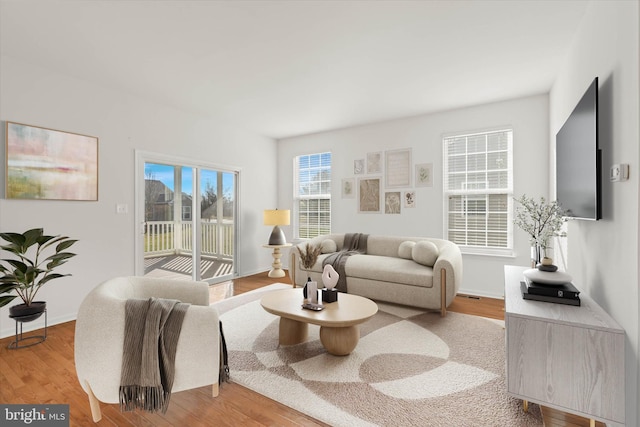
x,y
277,218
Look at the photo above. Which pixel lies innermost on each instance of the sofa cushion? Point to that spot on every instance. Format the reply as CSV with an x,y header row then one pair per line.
x,y
425,253
328,246
389,269
405,249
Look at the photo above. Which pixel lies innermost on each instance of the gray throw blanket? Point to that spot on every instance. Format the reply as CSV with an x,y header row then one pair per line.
x,y
354,243
152,328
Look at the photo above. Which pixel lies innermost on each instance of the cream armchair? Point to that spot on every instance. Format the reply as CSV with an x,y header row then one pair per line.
x,y
99,336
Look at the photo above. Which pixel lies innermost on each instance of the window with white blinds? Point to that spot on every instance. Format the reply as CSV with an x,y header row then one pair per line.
x,y
312,195
478,191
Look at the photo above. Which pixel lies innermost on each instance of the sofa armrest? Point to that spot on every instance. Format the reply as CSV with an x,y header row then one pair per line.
x,y
448,270
198,352
187,291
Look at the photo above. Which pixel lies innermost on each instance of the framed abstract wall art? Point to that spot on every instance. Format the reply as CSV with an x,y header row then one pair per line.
x,y
49,164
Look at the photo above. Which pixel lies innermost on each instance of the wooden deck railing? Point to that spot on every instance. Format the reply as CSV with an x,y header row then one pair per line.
x,y
169,237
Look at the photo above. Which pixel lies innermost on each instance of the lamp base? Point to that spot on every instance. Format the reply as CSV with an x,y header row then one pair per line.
x,y
277,237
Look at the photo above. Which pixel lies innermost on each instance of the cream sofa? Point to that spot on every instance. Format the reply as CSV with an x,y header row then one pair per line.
x,y
416,271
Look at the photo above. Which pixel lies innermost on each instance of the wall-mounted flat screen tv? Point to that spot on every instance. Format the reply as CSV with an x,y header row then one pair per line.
x,y
578,160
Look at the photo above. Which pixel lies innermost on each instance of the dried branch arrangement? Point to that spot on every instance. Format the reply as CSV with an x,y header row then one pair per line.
x,y
310,255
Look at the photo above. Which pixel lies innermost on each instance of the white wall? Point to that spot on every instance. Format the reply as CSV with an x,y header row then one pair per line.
x,y
603,255
123,123
528,117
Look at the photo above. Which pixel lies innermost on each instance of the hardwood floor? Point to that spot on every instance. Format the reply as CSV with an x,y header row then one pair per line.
x,y
45,374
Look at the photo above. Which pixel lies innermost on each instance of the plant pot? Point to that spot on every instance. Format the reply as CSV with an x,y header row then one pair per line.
x,y
27,313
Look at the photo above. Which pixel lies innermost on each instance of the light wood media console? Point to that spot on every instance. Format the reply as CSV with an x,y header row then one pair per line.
x,y
564,357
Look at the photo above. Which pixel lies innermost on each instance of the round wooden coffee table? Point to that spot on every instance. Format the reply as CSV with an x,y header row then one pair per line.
x,y
339,330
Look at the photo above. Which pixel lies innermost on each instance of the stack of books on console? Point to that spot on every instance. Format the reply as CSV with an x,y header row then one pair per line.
x,y
564,293
542,284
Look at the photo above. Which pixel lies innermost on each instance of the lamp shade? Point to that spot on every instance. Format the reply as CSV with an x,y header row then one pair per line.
x,y
276,217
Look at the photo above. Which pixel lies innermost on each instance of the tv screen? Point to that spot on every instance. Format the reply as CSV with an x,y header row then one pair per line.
x,y
578,159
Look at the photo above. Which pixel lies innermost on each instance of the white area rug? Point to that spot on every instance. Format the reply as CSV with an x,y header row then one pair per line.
x,y
410,368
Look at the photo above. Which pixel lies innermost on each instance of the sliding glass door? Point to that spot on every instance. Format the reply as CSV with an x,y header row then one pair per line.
x,y
187,220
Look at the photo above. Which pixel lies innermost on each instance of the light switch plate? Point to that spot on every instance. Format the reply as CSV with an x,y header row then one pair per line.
x,y
122,208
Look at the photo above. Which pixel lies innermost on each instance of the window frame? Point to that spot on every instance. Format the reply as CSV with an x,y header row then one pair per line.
x,y
478,193
298,198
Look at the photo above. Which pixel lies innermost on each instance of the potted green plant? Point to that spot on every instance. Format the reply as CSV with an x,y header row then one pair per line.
x,y
36,255
541,220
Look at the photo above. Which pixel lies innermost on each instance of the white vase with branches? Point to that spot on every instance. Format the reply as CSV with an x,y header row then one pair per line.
x,y
542,221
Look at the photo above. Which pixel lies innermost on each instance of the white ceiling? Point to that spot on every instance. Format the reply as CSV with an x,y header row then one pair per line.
x,y
286,68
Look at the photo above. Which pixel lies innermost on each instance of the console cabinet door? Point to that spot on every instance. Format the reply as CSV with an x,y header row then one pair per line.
x,y
568,366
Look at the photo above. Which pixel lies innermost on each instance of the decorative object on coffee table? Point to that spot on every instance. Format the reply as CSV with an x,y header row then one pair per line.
x,y
329,278
310,255
308,258
311,292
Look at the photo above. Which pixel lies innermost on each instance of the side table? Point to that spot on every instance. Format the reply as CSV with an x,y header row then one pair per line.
x,y
276,266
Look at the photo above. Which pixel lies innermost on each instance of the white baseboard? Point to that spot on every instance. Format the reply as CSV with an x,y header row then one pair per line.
x,y
480,294
35,325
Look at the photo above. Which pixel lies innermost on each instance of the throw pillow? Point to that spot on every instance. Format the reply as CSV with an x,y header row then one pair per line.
x,y
405,249
425,253
328,246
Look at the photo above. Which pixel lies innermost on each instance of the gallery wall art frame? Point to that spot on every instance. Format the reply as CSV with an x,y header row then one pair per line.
x,y
424,175
374,163
348,188
369,195
358,167
393,202
398,168
410,199
49,164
